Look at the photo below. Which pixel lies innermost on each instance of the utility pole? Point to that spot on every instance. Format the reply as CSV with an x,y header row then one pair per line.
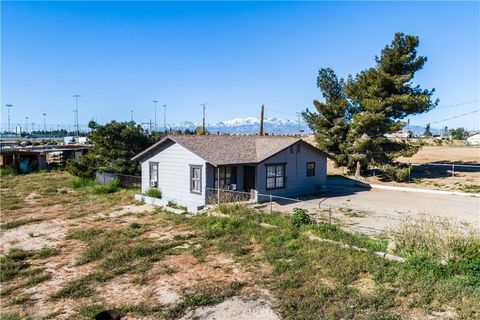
x,y
76,96
262,112
165,118
26,124
203,127
131,115
155,124
298,122
8,109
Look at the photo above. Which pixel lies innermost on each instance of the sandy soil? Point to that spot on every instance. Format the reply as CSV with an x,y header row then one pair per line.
x,y
168,280
445,154
234,308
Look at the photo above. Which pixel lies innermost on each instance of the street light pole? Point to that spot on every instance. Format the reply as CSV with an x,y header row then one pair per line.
x,y
44,125
155,121
8,108
76,96
165,118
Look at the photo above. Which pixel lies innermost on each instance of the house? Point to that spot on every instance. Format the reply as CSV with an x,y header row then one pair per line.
x,y
473,139
187,168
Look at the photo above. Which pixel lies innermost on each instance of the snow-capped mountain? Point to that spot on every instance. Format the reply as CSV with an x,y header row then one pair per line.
x,y
248,125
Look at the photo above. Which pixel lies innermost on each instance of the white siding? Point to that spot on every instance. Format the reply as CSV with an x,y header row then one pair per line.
x,y
174,175
297,182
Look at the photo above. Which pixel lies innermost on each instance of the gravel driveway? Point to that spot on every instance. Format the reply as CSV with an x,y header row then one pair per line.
x,y
371,210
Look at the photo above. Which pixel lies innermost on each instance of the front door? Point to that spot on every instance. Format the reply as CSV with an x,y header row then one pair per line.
x,y
249,178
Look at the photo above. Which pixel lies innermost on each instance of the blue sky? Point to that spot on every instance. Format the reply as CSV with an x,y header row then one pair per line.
x,y
234,56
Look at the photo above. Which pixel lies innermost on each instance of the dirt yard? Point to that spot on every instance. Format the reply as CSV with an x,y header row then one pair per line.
x,y
70,250
465,179
58,237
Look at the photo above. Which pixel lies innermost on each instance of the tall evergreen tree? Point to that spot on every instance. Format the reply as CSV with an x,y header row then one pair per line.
x,y
330,120
380,98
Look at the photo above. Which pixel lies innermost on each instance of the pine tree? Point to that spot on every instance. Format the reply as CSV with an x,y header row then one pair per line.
x,y
372,104
330,121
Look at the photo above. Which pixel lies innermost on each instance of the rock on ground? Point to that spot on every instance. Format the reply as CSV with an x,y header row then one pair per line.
x,y
234,309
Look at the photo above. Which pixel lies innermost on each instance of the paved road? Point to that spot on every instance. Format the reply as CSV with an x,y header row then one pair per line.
x,y
384,207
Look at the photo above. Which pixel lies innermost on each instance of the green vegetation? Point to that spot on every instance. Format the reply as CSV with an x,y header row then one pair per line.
x,y
113,146
473,188
393,173
357,113
309,279
7,171
300,217
20,222
301,267
91,185
154,193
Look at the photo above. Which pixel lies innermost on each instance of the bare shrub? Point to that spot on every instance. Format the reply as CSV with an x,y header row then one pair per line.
x,y
226,196
436,236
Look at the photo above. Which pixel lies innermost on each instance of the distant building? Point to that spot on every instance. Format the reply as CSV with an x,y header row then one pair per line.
x,y
474,139
27,159
402,134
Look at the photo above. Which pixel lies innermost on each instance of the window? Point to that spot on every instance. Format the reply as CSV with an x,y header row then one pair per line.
x,y
153,174
310,169
298,147
275,176
196,179
227,176
291,149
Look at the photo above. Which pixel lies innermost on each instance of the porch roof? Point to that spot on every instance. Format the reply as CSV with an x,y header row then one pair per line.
x,y
229,149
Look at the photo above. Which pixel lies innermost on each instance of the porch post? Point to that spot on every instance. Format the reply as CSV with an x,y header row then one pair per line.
x,y
218,185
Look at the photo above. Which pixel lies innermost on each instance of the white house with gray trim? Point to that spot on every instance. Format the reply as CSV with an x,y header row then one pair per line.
x,y
187,168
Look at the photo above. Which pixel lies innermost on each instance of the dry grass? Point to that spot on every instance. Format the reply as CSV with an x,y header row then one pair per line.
x,y
435,236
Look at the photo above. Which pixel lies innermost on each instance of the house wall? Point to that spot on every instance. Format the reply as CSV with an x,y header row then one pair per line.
x,y
174,175
297,182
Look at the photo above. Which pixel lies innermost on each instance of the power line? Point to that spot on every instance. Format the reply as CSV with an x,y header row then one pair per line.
x,y
458,104
455,117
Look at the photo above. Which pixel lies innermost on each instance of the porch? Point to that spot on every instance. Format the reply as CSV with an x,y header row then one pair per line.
x,y
230,183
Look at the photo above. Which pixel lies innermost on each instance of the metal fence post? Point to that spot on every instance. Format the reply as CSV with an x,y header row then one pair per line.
x,y
453,170
330,215
270,203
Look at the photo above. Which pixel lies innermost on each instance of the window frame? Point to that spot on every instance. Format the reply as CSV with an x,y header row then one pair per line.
x,y
192,168
221,182
150,165
283,172
311,172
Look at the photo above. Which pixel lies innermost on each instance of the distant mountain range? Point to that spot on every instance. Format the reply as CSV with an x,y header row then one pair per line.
x,y
271,125
248,125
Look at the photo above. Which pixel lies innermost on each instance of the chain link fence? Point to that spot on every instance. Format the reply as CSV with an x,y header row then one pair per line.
x,y
125,180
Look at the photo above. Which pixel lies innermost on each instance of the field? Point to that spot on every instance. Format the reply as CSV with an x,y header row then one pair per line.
x,y
71,249
437,177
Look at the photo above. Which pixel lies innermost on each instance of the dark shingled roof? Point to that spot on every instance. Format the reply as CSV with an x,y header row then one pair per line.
x,y
229,149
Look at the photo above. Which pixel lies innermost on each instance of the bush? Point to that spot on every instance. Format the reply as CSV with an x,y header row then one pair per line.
x,y
154,193
78,183
111,187
300,217
398,174
7,171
